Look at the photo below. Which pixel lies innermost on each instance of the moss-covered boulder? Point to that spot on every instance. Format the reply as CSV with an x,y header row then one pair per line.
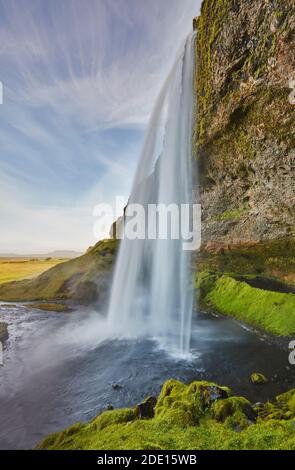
x,y
201,415
288,399
49,307
3,332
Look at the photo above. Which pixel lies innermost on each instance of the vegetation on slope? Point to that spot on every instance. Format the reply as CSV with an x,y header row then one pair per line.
x,y
16,269
274,259
201,415
83,279
244,129
272,311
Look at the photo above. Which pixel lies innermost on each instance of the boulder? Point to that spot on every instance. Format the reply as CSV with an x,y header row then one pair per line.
x,y
258,378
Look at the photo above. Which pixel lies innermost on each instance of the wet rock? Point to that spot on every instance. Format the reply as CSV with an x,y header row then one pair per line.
x,y
117,386
146,409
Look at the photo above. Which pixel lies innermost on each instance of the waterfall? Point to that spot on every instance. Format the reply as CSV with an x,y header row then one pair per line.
x,y
151,293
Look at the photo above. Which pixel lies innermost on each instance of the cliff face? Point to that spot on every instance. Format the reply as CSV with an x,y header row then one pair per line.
x,y
84,280
244,139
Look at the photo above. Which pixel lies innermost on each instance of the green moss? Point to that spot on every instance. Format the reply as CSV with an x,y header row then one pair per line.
x,y
109,418
281,409
272,311
268,110
243,81
189,417
210,23
291,404
288,399
54,307
257,378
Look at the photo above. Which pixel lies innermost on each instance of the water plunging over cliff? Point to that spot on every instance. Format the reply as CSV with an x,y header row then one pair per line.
x,y
151,293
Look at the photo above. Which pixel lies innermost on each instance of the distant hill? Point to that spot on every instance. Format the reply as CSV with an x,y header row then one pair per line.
x,y
84,279
53,254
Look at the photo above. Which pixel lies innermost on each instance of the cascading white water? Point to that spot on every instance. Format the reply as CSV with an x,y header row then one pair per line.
x,y
151,293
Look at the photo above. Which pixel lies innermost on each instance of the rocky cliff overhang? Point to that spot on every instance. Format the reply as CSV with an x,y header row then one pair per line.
x,y
244,138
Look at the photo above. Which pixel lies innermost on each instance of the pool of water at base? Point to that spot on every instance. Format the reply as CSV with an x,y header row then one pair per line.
x,y
61,368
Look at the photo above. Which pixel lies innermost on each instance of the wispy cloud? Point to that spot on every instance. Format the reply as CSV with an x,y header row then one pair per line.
x,y
73,73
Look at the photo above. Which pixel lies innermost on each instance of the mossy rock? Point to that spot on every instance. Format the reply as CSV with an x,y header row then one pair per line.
x,y
84,279
288,398
178,402
283,408
273,259
197,416
258,378
243,137
49,307
108,418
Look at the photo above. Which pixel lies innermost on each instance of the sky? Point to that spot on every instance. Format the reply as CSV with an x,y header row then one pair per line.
x,y
80,78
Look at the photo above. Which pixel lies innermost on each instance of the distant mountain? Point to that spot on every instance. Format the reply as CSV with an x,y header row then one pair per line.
x,y
53,254
85,279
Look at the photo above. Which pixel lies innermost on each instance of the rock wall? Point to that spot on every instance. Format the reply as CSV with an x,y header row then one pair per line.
x,y
244,139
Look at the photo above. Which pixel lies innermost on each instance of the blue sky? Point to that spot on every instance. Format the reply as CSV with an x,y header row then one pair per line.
x,y
80,78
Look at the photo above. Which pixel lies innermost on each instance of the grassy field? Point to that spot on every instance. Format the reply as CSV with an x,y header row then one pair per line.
x,y
15,269
198,416
82,279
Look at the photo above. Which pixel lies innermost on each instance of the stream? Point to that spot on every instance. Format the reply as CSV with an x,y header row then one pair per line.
x,y
62,368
